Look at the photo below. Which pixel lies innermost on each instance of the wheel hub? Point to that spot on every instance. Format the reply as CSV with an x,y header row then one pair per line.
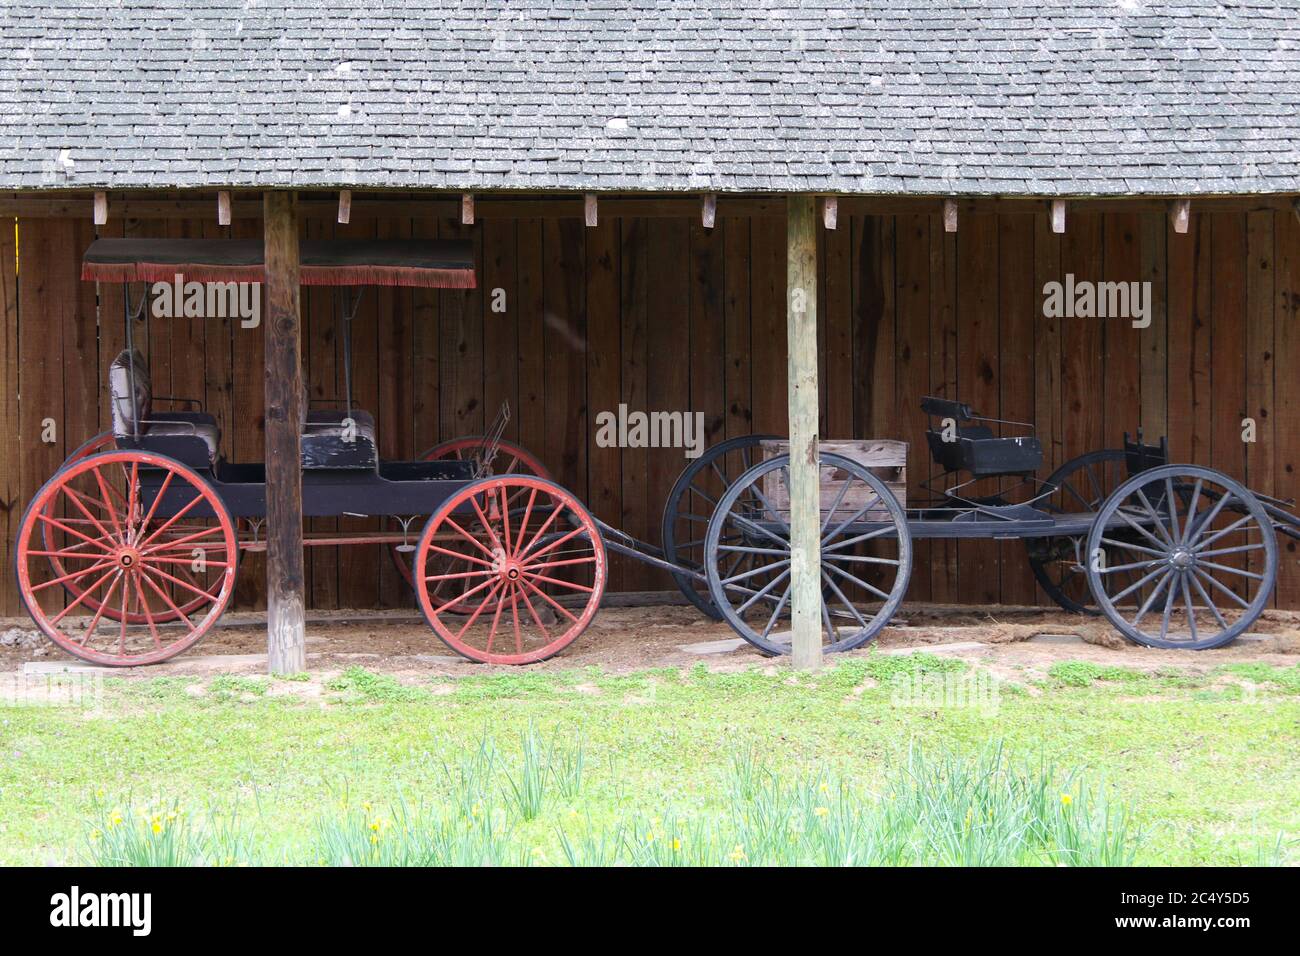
x,y
1181,558
128,558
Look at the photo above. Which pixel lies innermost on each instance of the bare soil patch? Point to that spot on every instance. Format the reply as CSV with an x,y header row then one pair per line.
x,y
626,639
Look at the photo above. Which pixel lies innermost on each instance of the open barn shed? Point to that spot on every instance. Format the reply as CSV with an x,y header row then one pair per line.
x,y
640,183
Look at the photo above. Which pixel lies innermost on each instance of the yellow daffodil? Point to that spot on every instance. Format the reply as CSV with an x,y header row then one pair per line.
x,y
1066,799
821,811
737,854
823,786
677,844
157,828
95,834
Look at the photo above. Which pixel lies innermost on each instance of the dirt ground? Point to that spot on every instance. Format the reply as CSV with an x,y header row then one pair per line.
x,y
1007,640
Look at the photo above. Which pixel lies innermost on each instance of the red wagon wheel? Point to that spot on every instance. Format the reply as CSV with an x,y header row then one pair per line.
x,y
139,533
101,442
511,459
528,547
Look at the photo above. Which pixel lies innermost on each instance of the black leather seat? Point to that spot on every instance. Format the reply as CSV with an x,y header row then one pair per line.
x,y
975,448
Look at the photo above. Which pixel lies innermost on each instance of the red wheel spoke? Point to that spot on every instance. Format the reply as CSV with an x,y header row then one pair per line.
x,y
487,525
505,520
550,519
162,490
85,594
556,543
155,559
169,522
133,492
496,618
459,555
460,574
103,606
75,575
73,531
589,559
479,610
144,609
514,613
104,490
469,537
550,600
76,500
180,615
175,545
565,584
461,598
177,581
533,611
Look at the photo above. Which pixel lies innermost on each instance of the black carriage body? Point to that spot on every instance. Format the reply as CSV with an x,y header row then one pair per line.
x,y
392,488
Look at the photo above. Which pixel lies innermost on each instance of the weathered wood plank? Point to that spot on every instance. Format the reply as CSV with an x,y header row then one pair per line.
x,y
1155,339
737,381
912,295
1286,418
604,465
768,333
1228,343
1016,304
634,305
943,375
11,443
1122,369
1260,349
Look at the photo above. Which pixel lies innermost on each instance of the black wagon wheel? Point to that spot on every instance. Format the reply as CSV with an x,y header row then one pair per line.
x,y
1080,485
691,503
865,544
1205,565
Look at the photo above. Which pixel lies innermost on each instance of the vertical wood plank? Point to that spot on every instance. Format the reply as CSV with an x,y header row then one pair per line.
x,y
320,324
11,501
500,329
1286,418
634,306
1014,362
1155,339
977,379
1228,342
708,328
1082,342
739,327
943,375
668,381
1122,370
47,292
1259,353
247,439
604,465
460,373
426,401
531,308
912,295
835,327
394,419
566,352
768,334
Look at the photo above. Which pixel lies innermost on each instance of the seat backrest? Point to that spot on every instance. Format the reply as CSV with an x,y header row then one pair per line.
x,y
119,389
1139,457
944,408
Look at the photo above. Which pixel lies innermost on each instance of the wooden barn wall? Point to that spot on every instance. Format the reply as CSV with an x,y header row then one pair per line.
x,y
662,314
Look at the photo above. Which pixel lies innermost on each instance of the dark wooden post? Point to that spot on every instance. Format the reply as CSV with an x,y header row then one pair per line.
x,y
801,384
285,640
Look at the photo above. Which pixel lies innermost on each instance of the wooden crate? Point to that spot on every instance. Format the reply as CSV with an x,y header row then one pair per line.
x,y
886,459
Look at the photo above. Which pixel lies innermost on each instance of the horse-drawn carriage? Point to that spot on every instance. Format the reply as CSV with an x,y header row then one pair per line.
x,y
128,554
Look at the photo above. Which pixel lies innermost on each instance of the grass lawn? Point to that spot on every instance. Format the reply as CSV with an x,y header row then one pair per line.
x,y
1202,769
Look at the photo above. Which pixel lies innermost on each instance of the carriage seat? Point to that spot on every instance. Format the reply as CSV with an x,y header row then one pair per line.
x,y
327,444
975,448
191,437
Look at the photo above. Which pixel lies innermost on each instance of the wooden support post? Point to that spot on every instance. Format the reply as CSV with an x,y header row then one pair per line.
x,y
467,209
709,210
801,384
345,206
101,208
589,209
285,639
950,215
223,208
1058,215
830,212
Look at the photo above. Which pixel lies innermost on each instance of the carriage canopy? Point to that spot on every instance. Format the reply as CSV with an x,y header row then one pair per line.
x,y
424,263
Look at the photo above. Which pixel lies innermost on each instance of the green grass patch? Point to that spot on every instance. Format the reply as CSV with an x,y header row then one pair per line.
x,y
578,766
